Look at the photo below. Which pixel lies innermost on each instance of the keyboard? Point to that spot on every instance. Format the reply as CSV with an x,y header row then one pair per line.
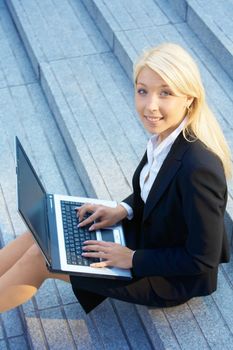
x,y
75,236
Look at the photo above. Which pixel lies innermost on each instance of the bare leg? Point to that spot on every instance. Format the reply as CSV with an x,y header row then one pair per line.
x,y
13,251
24,278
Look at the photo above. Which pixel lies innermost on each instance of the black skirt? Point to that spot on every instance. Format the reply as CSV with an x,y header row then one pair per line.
x,y
91,291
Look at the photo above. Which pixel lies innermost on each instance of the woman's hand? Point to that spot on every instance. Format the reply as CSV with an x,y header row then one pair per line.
x,y
113,254
102,216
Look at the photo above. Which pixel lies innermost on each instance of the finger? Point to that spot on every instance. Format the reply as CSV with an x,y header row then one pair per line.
x,y
91,241
99,255
96,248
100,264
81,211
86,221
89,220
99,243
85,208
100,224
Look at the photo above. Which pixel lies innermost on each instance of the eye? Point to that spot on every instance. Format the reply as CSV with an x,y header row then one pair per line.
x,y
141,91
165,93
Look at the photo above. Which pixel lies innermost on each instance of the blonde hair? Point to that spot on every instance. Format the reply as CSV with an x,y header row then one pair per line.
x,y
178,69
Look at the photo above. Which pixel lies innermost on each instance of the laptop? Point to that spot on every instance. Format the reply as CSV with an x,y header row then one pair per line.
x,y
53,221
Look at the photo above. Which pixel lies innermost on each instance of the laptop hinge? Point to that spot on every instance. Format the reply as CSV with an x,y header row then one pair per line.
x,y
52,233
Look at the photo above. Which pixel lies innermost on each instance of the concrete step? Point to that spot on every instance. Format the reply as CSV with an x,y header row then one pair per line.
x,y
24,112
87,103
129,27
212,22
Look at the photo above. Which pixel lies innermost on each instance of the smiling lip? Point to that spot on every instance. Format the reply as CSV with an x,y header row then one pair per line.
x,y
152,119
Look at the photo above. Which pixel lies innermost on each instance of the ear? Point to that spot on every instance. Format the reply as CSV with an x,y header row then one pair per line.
x,y
189,101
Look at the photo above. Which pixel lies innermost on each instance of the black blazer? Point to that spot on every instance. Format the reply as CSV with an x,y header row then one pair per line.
x,y
179,233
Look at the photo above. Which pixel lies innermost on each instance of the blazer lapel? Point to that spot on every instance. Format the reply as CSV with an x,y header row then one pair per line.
x,y
137,172
166,173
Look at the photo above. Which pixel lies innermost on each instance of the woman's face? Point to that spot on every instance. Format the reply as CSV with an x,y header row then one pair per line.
x,y
160,110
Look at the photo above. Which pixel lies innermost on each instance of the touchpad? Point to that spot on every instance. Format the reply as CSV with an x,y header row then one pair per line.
x,y
107,235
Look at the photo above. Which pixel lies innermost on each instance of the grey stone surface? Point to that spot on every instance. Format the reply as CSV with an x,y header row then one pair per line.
x,y
208,36
64,293
89,26
180,7
12,323
56,328
73,135
212,324
214,27
184,325
66,27
1,330
83,329
89,103
127,314
47,296
223,298
228,219
27,35
18,343
34,329
150,329
212,22
110,331
174,10
24,111
164,329
3,345
14,70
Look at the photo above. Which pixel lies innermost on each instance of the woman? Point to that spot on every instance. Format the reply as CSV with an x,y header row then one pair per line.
x,y
174,220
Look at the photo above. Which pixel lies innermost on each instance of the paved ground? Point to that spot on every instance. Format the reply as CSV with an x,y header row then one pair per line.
x,y
68,117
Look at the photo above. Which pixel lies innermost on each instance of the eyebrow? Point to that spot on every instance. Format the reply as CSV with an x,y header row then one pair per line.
x,y
161,86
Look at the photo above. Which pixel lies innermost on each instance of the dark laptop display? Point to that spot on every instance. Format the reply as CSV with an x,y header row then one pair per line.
x,y
32,203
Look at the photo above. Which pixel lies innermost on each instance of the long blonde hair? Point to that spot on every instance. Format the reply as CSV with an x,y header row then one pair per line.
x,y
181,73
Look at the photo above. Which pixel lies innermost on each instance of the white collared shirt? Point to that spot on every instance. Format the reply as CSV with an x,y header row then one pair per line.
x,y
156,154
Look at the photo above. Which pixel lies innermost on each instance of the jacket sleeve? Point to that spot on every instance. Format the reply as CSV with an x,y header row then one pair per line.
x,y
203,194
129,200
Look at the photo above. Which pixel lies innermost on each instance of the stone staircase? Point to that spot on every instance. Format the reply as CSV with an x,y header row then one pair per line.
x,y
212,22
82,53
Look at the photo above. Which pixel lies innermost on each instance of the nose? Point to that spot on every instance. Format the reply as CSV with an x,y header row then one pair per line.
x,y
152,104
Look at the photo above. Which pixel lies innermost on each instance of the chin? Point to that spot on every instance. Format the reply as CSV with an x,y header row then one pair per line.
x,y
153,130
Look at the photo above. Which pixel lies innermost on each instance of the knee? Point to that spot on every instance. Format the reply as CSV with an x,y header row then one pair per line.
x,y
34,252
27,236
32,256
33,262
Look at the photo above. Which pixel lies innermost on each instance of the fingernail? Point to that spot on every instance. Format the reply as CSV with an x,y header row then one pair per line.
x,y
91,228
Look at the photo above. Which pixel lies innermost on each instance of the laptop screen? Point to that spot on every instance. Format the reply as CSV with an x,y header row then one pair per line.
x,y
31,199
